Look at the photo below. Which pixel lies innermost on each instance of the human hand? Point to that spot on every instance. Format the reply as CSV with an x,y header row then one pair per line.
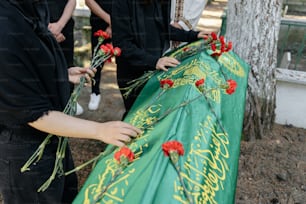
x,y
75,73
177,25
117,132
202,34
165,62
55,28
109,31
176,44
60,37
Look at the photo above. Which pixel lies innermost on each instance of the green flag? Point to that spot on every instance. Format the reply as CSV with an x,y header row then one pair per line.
x,y
197,105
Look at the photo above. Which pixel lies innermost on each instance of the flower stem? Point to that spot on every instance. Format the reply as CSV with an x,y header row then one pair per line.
x,y
36,156
136,83
177,168
101,194
170,111
58,167
70,109
215,114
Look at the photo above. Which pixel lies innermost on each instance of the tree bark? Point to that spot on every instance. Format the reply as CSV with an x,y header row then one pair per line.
x,y
253,27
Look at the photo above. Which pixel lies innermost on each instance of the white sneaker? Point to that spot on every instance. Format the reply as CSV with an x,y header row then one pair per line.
x,y
94,101
79,109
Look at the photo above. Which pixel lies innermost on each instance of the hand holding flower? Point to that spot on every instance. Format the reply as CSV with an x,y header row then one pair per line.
x,y
75,74
83,77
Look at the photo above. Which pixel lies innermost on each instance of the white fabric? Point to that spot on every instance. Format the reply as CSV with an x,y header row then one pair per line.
x,y
191,12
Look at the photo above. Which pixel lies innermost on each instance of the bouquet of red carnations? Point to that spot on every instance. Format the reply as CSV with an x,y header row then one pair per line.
x,y
102,53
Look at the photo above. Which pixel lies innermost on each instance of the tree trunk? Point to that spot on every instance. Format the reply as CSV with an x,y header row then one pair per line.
x,y
253,27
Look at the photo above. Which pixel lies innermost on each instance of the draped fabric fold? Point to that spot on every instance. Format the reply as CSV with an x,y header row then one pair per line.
x,y
207,123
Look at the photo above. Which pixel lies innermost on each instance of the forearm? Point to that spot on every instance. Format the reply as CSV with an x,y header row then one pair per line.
x,y
114,132
67,13
182,35
58,123
97,10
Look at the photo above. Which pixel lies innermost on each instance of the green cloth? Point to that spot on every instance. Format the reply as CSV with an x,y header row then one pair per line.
x,y
209,127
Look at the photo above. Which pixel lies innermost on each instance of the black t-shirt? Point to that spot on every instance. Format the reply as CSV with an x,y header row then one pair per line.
x,y
32,78
95,21
56,8
106,5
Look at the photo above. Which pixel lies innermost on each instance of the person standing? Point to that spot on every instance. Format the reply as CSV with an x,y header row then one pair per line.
x,y
185,14
34,90
62,24
141,28
99,20
62,27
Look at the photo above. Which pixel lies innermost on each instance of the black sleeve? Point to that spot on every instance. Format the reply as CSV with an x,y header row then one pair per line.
x,y
26,72
22,98
182,35
124,36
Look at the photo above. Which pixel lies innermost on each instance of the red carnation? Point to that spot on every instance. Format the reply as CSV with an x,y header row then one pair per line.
x,y
229,46
124,155
166,83
185,49
222,41
110,46
213,47
232,85
199,82
214,36
98,33
105,49
173,147
101,33
117,51
222,49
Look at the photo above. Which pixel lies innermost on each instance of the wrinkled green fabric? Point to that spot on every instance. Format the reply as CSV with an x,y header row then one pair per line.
x,y
208,125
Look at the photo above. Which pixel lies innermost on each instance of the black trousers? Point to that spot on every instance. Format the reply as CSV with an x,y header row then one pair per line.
x,y
67,45
16,146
